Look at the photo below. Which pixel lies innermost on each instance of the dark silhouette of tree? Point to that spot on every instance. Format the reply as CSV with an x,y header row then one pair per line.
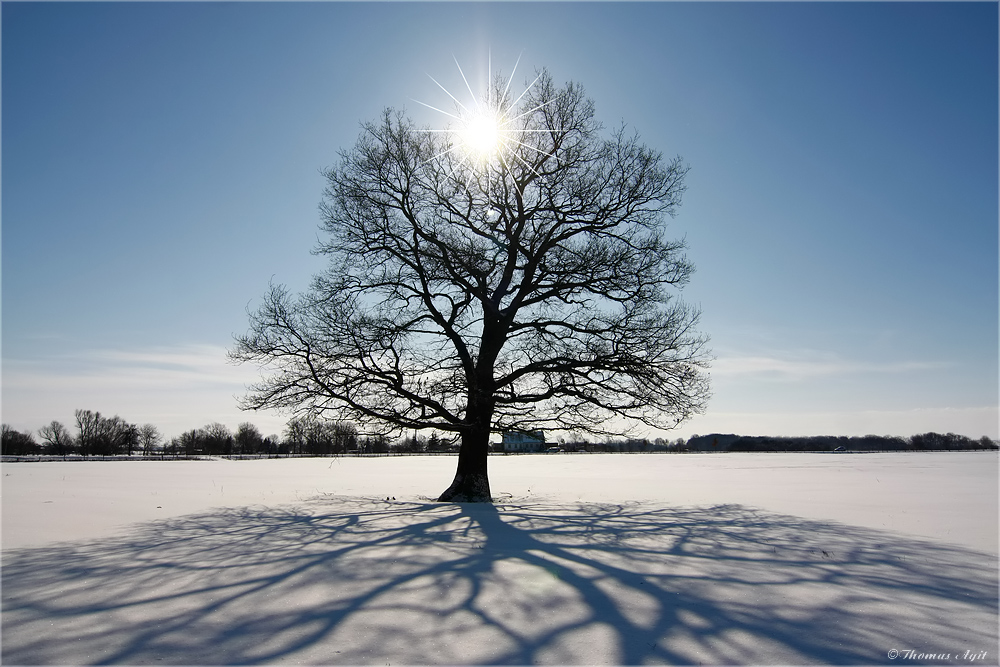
x,y
295,435
87,425
318,438
271,445
436,444
105,436
412,444
344,436
129,438
57,439
985,443
378,444
149,439
248,439
532,288
216,439
16,443
188,443
310,435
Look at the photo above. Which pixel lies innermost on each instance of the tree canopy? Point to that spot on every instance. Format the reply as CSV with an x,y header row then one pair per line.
x,y
523,284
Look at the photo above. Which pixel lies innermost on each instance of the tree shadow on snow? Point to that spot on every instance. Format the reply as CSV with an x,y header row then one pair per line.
x,y
354,581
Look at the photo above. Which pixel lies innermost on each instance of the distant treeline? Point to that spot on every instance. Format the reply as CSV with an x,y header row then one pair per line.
x,y
718,442
97,435
826,443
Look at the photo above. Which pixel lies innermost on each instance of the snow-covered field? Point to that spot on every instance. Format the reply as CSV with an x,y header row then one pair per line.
x,y
620,559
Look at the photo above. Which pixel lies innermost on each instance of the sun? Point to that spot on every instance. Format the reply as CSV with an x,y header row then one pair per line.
x,y
481,133
485,130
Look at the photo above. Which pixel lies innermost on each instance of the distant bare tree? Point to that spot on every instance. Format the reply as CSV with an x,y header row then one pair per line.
x,y
295,434
308,434
216,438
436,444
57,439
129,438
115,436
271,444
17,443
87,426
248,439
149,439
188,443
530,288
105,436
344,436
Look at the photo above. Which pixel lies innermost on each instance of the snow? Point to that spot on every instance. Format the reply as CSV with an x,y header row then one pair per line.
x,y
586,559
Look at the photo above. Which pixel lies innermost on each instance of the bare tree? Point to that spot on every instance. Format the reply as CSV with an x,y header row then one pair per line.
x,y
468,291
308,434
104,436
295,434
188,443
88,427
128,438
343,436
149,439
16,442
57,439
248,439
216,438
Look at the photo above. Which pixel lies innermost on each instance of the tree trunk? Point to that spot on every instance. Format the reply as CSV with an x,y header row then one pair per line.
x,y
471,484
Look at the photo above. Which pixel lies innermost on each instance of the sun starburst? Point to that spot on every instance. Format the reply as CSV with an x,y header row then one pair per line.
x,y
485,131
481,133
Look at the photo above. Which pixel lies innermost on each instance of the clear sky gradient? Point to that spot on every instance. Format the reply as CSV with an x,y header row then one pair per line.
x,y
161,164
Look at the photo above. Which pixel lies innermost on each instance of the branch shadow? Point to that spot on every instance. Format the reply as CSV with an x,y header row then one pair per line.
x,y
352,581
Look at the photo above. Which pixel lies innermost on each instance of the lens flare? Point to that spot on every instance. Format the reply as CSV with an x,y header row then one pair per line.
x,y
487,130
481,134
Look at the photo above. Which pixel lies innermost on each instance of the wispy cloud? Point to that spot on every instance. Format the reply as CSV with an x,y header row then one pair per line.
x,y
178,388
809,365
160,367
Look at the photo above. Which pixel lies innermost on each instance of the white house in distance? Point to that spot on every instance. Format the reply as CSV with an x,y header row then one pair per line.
x,y
519,441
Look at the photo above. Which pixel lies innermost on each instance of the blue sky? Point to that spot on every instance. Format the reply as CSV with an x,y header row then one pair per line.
x,y
161,164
